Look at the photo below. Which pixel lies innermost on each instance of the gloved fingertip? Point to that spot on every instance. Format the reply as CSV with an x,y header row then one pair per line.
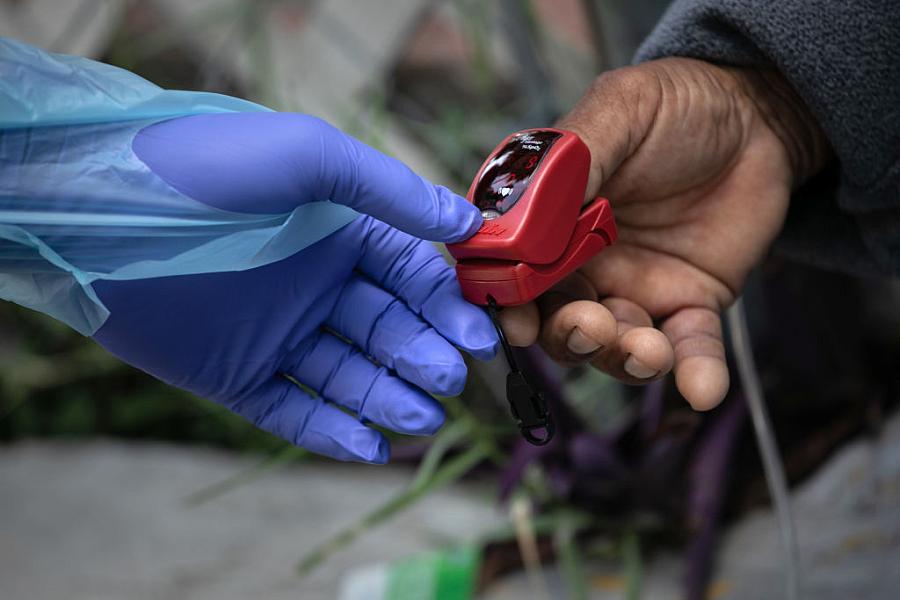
x,y
419,416
458,219
368,445
446,379
381,453
474,219
484,353
464,324
479,338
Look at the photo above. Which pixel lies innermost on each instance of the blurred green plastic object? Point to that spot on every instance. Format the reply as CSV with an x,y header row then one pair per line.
x,y
441,575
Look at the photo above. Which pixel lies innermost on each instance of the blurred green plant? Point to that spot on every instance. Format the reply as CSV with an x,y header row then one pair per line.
x,y
54,382
632,565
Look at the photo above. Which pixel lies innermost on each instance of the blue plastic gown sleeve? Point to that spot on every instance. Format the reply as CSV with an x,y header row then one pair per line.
x,y
77,206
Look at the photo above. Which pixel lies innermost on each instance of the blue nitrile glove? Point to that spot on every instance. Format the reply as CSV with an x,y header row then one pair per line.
x,y
368,290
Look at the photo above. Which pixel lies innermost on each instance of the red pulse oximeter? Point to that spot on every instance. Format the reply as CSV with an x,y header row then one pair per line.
x,y
536,230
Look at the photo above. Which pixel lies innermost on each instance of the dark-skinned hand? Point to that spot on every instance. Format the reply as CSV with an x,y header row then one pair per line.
x,y
699,162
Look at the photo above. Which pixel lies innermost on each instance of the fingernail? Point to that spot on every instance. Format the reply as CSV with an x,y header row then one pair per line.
x,y
637,369
579,343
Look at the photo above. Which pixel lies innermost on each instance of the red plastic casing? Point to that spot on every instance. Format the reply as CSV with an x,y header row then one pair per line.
x,y
546,235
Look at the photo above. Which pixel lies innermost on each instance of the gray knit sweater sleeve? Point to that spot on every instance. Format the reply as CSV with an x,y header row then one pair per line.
x,y
843,58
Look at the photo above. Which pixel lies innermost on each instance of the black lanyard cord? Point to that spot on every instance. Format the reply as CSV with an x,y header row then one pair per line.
x,y
526,403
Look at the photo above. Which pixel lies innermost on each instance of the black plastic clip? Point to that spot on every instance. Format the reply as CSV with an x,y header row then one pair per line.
x,y
527,405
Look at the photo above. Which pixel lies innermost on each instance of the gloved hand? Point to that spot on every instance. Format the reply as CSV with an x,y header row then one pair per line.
x,y
368,291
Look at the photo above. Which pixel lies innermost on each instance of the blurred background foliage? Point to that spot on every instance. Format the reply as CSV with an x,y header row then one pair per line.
x,y
438,83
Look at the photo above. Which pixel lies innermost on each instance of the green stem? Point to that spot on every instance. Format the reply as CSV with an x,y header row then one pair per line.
x,y
277,459
570,558
631,559
449,472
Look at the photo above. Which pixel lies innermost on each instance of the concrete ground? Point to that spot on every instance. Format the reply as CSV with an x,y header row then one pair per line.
x,y
108,520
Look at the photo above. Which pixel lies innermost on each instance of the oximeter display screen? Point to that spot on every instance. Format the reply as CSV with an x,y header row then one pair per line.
x,y
509,172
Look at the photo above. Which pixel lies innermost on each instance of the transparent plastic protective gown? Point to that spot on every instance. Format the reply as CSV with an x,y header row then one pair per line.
x,y
114,219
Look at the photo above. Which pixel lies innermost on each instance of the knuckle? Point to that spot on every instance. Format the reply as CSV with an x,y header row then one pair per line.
x,y
626,82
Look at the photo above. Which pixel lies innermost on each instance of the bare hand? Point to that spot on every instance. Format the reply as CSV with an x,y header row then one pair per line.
x,y
699,162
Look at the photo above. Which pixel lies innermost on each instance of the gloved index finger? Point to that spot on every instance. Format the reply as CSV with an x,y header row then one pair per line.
x,y
358,176
415,272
